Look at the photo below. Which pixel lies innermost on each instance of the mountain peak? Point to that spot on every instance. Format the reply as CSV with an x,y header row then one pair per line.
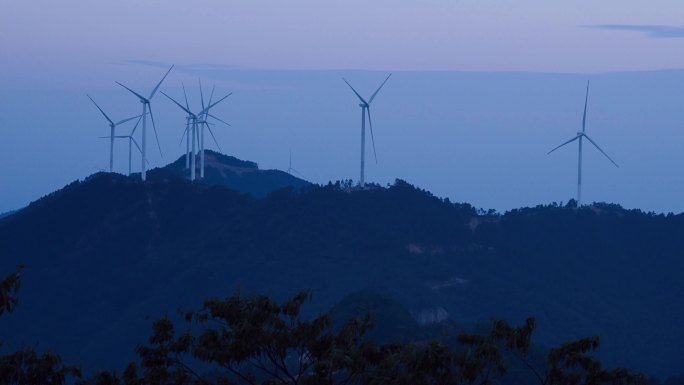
x,y
231,172
216,160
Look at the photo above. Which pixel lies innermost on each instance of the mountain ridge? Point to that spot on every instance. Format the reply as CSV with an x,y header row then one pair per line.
x,y
106,255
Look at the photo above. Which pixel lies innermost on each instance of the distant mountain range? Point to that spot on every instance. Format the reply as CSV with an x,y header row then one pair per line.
x,y
107,255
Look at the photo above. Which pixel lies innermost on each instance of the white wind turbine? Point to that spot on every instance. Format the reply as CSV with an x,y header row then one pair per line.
x,y
112,134
365,109
131,141
146,105
194,121
202,120
581,135
291,170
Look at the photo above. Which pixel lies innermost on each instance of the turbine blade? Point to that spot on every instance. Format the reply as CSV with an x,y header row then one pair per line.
x,y
220,120
140,150
136,145
142,98
602,152
154,126
98,107
129,119
370,123
178,104
183,136
213,104
199,80
298,173
378,90
187,105
584,117
160,82
564,143
357,94
136,125
213,137
211,96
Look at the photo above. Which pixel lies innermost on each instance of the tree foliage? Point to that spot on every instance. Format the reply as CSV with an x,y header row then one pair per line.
x,y
255,341
26,367
9,287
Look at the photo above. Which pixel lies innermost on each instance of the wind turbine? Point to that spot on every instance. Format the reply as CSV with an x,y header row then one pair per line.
x,y
203,121
581,135
112,135
131,141
145,105
365,109
291,170
194,119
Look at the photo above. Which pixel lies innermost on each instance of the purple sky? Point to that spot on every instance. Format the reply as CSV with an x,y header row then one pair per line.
x,y
85,36
481,90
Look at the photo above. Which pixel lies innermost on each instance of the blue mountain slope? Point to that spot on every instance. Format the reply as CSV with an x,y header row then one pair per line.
x,y
106,256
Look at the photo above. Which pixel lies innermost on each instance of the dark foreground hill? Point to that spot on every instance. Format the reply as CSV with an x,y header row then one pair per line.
x,y
106,256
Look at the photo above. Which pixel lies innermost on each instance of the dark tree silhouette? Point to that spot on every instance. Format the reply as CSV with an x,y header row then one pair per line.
x,y
26,367
9,287
256,341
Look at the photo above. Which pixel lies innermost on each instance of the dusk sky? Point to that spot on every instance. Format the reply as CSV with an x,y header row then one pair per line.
x,y
481,90
460,35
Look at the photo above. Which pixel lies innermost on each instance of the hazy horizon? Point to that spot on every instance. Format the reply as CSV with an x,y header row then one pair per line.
x,y
463,135
481,91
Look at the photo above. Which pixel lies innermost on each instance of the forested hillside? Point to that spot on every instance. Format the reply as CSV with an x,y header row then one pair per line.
x,y
105,256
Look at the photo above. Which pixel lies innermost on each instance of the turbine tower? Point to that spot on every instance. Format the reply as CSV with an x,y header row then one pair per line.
x,y
112,134
194,121
145,106
365,109
582,135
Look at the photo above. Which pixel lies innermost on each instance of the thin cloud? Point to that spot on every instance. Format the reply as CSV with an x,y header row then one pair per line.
x,y
650,31
216,72
183,67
